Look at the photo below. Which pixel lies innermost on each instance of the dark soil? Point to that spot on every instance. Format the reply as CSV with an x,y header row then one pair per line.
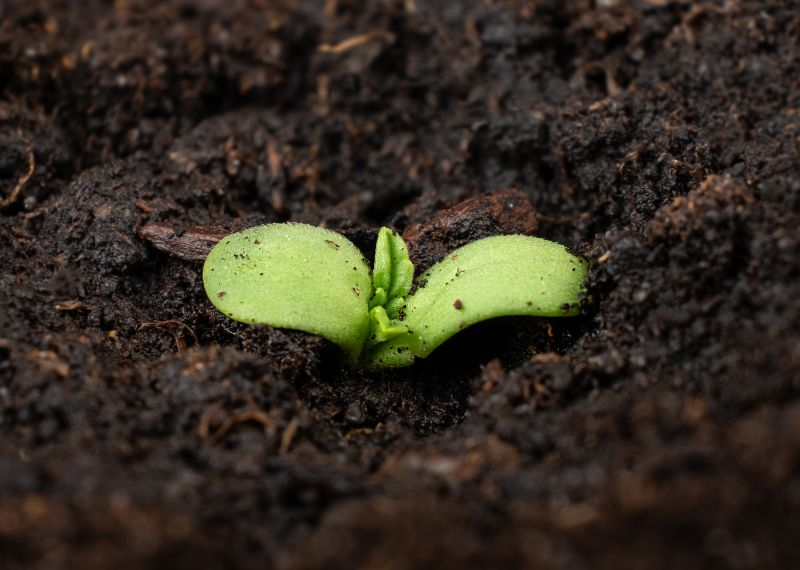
x,y
659,138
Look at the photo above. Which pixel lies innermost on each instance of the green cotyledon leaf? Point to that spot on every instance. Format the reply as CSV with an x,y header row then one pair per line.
x,y
293,276
492,277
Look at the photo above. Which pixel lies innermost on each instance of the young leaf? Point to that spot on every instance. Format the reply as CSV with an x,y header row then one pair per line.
x,y
392,280
492,277
394,271
293,276
383,327
402,268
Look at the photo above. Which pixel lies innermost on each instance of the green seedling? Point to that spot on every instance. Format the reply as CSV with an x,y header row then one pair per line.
x,y
306,278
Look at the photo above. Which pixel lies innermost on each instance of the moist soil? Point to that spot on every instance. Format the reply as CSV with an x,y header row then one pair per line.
x,y
658,138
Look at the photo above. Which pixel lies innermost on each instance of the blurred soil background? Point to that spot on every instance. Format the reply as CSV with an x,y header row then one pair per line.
x,y
659,138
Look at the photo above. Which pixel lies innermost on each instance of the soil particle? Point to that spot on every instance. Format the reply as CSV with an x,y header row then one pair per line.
x,y
505,212
190,244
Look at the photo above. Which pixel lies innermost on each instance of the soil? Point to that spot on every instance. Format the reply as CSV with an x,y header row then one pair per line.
x,y
658,138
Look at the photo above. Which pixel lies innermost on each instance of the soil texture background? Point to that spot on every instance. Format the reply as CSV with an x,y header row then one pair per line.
x,y
658,138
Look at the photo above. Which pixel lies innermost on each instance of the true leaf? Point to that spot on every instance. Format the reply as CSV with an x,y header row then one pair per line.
x,y
394,271
391,278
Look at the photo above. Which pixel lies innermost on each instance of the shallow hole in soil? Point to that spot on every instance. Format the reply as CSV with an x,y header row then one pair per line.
x,y
434,393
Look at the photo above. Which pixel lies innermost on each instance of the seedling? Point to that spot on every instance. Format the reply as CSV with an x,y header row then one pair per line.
x,y
306,278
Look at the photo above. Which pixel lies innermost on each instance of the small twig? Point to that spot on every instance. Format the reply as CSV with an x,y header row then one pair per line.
x,y
11,198
249,416
206,419
275,162
68,305
355,41
364,431
167,326
188,243
288,436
